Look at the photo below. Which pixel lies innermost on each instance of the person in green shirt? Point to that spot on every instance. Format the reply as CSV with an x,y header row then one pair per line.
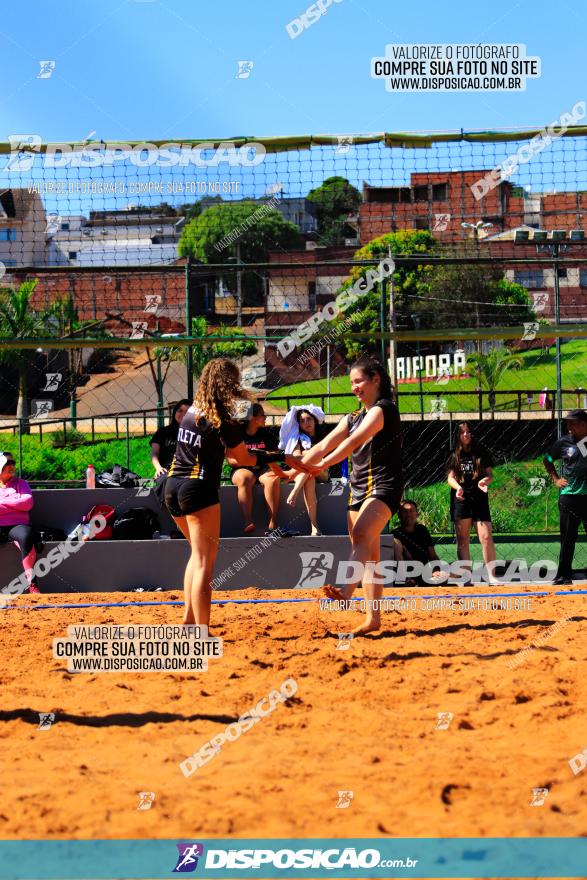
x,y
571,449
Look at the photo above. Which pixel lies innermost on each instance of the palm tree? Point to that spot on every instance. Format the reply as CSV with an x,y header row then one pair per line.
x,y
19,321
489,368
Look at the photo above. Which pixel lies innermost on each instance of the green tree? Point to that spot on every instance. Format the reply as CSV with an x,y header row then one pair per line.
x,y
243,231
212,236
334,199
471,295
194,209
365,313
19,321
490,368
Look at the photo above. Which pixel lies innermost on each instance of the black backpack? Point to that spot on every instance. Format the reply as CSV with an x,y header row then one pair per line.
x,y
118,478
135,524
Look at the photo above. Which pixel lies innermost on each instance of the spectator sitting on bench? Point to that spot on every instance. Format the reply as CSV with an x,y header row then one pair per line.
x,y
301,429
16,500
164,440
256,436
412,540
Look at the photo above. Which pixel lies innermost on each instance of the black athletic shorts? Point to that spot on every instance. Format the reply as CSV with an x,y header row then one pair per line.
x,y
475,506
183,496
392,499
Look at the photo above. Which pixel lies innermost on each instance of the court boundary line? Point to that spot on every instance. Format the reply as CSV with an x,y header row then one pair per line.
x,y
277,601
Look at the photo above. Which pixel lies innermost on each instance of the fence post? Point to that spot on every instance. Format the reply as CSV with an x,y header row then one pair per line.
x,y
127,445
20,447
480,395
160,401
188,332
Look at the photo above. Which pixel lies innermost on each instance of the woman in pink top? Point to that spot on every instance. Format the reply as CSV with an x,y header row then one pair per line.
x,y
16,500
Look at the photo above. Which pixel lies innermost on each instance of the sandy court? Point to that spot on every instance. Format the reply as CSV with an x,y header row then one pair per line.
x,y
363,720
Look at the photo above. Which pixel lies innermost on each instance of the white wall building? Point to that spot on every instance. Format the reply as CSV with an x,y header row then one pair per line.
x,y
113,238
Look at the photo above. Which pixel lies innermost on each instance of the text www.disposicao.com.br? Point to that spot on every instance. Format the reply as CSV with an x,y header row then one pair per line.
x,y
134,664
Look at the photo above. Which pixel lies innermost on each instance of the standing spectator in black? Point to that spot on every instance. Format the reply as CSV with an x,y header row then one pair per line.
x,y
572,502
164,440
256,437
469,473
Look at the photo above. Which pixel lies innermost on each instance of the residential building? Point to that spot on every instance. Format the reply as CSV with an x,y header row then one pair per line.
x,y
114,238
22,228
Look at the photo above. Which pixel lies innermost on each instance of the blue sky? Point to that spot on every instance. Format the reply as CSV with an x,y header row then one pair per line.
x,y
167,68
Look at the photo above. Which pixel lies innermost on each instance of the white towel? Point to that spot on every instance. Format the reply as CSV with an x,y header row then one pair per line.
x,y
290,434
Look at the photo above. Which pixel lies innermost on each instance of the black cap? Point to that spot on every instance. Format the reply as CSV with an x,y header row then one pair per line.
x,y
576,415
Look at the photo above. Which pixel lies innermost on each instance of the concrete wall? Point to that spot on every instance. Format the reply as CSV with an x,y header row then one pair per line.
x,y
124,565
102,566
64,508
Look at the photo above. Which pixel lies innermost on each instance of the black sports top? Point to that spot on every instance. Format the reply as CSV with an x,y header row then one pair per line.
x,y
166,437
377,464
200,449
468,480
262,439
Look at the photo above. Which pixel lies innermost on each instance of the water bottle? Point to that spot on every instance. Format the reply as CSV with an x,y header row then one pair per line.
x,y
344,470
90,477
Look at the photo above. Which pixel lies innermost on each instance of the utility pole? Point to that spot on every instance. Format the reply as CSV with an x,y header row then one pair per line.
x,y
392,343
188,332
239,288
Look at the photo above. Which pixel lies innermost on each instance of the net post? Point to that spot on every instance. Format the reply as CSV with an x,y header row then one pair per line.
x,y
20,447
188,330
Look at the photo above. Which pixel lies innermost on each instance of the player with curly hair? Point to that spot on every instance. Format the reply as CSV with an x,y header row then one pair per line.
x,y
208,433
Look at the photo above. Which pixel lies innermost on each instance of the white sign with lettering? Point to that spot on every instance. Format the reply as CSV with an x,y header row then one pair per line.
x,y
431,365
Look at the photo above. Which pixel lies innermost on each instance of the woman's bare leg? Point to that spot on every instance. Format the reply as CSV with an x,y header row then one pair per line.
x,y
365,527
463,531
271,488
312,504
372,519
485,532
295,492
204,529
244,480
182,525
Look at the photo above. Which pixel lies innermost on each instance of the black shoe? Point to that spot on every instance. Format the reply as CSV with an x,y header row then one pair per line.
x,y
562,581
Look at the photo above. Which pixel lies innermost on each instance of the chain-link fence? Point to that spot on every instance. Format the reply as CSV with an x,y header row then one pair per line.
x,y
459,260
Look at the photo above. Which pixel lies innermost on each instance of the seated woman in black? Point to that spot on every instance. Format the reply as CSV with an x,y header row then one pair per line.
x,y
256,436
164,440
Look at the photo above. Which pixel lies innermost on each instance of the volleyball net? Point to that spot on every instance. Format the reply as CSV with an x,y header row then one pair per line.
x,y
458,259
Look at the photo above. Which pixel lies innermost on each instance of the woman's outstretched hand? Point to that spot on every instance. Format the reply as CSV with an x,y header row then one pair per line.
x,y
298,465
